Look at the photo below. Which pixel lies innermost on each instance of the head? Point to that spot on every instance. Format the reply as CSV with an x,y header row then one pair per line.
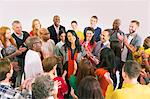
x,y
36,24
34,43
146,44
56,20
105,35
85,69
107,59
89,35
62,35
74,25
5,33
43,87
134,25
93,21
44,34
71,38
50,63
89,88
6,69
131,70
116,24
17,27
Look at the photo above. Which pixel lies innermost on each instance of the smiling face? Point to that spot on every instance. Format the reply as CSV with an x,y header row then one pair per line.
x,y
133,27
37,25
93,22
71,37
17,28
56,20
62,37
89,35
116,24
8,34
104,36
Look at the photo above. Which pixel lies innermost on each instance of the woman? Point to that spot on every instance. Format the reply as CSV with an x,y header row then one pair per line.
x,y
71,52
36,25
62,35
106,65
89,88
9,49
49,66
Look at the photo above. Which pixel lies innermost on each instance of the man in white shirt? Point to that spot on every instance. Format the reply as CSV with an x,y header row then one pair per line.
x,y
33,64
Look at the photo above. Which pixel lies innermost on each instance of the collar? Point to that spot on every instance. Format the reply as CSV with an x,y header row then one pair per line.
x,y
20,36
56,26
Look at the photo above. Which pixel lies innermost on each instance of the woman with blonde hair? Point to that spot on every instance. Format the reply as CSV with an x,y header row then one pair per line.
x,y
36,25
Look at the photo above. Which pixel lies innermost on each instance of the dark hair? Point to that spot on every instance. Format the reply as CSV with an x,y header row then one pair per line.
x,y
135,21
132,68
85,69
50,62
4,68
95,17
93,39
107,59
42,87
89,88
146,44
16,21
108,30
77,42
74,22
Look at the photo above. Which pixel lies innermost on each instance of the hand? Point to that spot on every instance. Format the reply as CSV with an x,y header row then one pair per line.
x,y
64,74
125,40
108,78
18,52
22,49
75,67
73,94
144,55
120,37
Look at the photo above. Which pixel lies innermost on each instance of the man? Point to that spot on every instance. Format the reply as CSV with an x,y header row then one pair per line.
x,y
131,89
6,91
55,28
97,30
33,64
103,43
80,35
132,41
20,38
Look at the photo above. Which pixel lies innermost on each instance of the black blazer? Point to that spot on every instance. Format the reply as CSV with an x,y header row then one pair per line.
x,y
53,34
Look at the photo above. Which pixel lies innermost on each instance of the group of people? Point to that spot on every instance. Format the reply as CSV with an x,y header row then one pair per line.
x,y
52,63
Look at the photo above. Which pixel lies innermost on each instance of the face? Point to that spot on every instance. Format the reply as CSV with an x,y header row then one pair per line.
x,y
62,36
17,28
8,34
104,36
133,27
93,22
89,35
74,26
116,24
70,37
37,46
37,25
45,35
56,20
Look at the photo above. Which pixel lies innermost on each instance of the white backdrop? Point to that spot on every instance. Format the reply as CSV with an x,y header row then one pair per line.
x,y
81,11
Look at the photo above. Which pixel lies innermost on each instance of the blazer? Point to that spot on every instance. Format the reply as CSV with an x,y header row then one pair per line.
x,y
53,35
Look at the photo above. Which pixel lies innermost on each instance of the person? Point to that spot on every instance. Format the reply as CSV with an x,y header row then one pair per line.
x,y
6,71
116,45
36,25
80,35
71,51
85,68
33,63
132,41
97,30
20,38
44,87
49,66
62,35
130,73
55,28
10,50
106,66
103,43
48,45
89,88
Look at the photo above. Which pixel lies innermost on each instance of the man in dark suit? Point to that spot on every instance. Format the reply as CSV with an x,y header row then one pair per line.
x,y
55,28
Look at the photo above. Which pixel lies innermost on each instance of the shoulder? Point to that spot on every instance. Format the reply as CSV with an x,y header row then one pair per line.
x,y
50,27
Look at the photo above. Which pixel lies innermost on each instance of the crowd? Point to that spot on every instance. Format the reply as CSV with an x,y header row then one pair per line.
x,y
55,63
